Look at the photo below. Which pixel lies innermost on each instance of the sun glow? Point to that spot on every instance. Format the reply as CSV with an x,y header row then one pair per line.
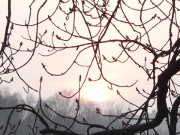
x,y
96,93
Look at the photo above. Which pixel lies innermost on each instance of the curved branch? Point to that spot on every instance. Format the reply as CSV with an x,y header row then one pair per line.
x,y
163,79
173,116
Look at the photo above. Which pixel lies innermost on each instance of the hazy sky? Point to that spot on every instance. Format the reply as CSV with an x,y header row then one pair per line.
x,y
123,74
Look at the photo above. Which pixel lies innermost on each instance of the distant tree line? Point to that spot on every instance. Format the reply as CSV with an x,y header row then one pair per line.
x,y
59,112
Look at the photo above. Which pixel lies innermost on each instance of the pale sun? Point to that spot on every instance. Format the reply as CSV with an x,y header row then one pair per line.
x,y
96,92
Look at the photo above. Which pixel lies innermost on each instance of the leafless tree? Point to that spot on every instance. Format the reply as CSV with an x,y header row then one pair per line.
x,y
143,34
